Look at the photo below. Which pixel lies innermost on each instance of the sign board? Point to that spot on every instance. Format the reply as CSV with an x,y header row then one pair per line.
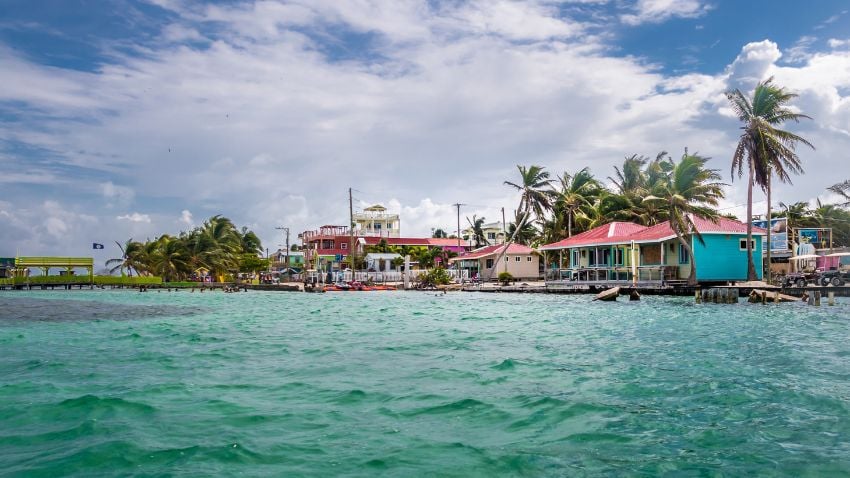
x,y
338,257
778,233
817,237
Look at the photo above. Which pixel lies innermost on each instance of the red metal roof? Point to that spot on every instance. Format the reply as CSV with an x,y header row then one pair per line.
x,y
611,233
621,233
515,249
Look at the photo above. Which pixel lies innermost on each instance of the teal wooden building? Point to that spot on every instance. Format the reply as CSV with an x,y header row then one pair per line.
x,y
627,253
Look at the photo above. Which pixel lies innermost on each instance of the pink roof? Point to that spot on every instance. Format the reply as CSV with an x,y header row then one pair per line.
x,y
611,233
445,242
606,235
492,250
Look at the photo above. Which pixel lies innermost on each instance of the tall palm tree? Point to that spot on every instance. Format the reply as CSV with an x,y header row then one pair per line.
x,y
535,189
577,194
689,190
249,241
169,258
476,224
129,259
764,148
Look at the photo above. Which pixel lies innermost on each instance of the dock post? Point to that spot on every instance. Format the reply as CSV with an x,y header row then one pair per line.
x,y
764,297
811,298
830,298
721,296
733,296
776,297
698,296
817,298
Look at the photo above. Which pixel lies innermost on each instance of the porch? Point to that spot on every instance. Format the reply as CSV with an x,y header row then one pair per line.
x,y
650,275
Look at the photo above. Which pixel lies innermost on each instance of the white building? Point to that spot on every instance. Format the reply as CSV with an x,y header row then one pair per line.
x,y
375,221
493,233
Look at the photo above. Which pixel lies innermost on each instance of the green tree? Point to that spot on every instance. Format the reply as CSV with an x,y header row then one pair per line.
x,y
476,224
843,190
576,197
689,190
763,148
439,233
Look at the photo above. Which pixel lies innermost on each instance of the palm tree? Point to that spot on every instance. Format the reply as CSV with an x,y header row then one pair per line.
x,y
578,193
689,190
249,241
169,258
765,148
536,193
843,190
129,258
526,235
476,224
439,233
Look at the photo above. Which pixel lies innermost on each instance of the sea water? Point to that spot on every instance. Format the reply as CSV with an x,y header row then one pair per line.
x,y
107,383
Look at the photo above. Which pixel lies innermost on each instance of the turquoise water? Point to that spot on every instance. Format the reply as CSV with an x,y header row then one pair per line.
x,y
104,383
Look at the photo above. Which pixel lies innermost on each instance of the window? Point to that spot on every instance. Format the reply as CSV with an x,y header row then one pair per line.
x,y
507,258
377,226
618,257
743,245
489,263
389,225
576,259
518,258
606,257
684,258
343,246
491,235
528,259
592,258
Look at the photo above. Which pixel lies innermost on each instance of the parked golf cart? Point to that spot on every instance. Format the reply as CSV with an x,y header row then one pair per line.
x,y
838,273
834,277
800,279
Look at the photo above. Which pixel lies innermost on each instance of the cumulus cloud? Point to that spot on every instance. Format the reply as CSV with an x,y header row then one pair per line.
x,y
753,64
656,11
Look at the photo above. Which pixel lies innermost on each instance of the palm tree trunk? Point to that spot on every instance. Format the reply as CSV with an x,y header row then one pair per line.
x,y
692,278
769,229
510,241
751,268
570,224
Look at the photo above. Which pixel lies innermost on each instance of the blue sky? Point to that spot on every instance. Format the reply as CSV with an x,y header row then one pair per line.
x,y
134,118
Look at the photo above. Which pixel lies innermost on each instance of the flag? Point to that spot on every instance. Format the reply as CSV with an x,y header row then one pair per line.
x,y
95,245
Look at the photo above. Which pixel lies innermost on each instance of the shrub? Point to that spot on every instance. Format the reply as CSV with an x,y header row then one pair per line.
x,y
434,277
505,278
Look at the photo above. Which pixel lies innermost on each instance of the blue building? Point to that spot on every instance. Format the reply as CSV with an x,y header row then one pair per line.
x,y
627,253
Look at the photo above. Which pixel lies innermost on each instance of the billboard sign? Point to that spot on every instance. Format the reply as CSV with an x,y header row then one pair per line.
x,y
778,233
817,237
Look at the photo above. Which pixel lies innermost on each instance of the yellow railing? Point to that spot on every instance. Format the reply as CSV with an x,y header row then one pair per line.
x,y
54,262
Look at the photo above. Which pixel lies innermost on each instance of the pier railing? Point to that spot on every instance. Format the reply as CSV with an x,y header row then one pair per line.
x,y
607,275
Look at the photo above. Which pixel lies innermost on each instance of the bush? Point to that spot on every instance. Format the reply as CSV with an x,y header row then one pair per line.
x,y
505,278
434,277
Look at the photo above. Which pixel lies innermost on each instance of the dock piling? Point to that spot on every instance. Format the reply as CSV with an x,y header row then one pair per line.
x,y
830,298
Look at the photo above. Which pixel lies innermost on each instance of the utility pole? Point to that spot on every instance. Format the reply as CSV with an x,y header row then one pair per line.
x,y
458,205
286,229
351,231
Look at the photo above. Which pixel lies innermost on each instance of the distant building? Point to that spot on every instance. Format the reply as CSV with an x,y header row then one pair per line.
x,y
7,266
522,262
375,221
279,260
494,233
329,246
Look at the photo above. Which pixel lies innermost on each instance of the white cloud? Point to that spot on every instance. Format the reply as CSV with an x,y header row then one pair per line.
x,y
657,11
836,44
186,217
121,194
801,51
135,217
